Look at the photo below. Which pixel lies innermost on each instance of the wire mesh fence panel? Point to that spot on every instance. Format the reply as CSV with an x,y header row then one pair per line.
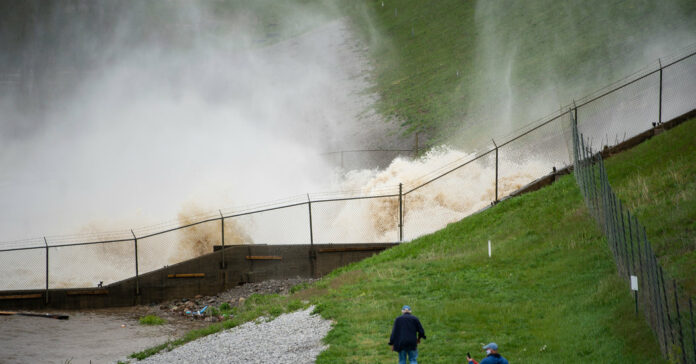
x,y
81,266
675,332
155,252
23,269
368,220
533,155
692,330
666,307
621,114
450,197
679,88
285,225
365,159
683,328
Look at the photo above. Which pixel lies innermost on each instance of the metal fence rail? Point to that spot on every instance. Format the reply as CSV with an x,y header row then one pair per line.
x,y
667,308
413,208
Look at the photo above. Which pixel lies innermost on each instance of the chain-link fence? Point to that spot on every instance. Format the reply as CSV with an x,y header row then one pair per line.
x,y
426,202
666,307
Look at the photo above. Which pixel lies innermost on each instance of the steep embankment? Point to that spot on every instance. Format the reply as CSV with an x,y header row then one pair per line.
x,y
657,180
549,293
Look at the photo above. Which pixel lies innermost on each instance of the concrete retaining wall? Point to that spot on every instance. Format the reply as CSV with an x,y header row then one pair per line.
x,y
204,275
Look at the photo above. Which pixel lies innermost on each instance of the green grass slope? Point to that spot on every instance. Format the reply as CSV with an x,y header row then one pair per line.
x,y
657,180
549,294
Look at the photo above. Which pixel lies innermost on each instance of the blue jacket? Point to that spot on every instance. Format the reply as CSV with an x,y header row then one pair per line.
x,y
406,332
494,359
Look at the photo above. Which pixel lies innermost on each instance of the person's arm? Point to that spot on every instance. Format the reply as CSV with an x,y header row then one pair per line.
x,y
392,338
421,331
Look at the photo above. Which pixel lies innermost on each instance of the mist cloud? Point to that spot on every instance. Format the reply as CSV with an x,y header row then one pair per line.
x,y
197,108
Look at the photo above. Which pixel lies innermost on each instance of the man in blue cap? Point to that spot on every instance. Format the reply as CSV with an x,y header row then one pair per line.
x,y
406,335
493,356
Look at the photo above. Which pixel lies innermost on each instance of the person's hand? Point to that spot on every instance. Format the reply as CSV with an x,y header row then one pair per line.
x,y
418,341
392,347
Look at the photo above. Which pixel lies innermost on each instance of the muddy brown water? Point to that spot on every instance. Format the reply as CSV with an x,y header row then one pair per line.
x,y
95,336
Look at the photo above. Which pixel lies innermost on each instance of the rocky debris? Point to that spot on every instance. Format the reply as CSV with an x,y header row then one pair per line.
x,y
176,309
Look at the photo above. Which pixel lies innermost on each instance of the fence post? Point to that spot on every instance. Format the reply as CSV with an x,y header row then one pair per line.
x,y
137,277
595,188
681,333
222,234
46,243
311,233
401,213
583,161
585,172
605,206
575,111
623,238
656,316
590,183
629,217
634,263
496,171
650,293
693,331
640,259
664,295
659,116
609,211
617,236
617,226
574,129
661,302
312,253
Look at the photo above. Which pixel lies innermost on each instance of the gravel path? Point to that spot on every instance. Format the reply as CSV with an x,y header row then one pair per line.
x,y
290,338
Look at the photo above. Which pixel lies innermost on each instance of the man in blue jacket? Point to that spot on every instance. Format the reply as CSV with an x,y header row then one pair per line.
x,y
406,335
493,356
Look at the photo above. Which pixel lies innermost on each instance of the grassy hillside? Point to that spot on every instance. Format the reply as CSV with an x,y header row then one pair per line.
x,y
657,180
549,294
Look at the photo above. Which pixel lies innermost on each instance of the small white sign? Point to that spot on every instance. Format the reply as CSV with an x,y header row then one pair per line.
x,y
489,248
634,283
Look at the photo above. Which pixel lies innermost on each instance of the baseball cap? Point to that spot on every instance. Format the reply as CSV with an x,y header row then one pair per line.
x,y
492,346
406,308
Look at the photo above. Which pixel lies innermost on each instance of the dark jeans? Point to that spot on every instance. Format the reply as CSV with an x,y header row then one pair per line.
x,y
412,356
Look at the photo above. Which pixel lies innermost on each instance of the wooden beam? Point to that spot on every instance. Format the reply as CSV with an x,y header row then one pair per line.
x,y
264,257
21,296
46,315
88,292
352,249
186,275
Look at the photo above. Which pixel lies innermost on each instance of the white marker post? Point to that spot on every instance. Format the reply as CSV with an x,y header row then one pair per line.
x,y
634,288
489,248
